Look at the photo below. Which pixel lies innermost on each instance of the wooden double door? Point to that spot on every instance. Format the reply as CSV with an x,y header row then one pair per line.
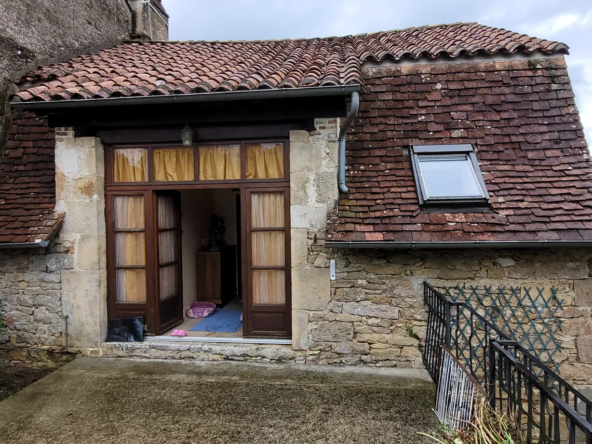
x,y
145,275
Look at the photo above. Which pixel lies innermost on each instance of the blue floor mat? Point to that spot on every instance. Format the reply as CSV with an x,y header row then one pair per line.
x,y
221,321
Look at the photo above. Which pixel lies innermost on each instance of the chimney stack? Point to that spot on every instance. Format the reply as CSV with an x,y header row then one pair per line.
x,y
149,20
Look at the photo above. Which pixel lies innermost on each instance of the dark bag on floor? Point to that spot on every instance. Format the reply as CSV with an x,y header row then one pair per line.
x,y
126,330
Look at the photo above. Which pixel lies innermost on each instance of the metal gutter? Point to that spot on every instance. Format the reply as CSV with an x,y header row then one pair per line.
x,y
27,245
456,245
353,112
9,245
222,96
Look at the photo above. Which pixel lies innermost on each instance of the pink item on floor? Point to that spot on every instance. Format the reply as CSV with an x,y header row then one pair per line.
x,y
179,333
200,310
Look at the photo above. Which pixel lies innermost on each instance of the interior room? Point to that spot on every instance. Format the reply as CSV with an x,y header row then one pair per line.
x,y
211,262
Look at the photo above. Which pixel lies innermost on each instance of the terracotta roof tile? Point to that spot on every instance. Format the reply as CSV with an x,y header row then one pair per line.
x,y
529,141
139,69
27,182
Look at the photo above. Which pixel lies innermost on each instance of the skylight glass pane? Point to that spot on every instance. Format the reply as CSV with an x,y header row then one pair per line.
x,y
449,176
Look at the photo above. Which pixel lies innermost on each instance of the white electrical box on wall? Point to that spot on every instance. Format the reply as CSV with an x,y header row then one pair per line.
x,y
332,268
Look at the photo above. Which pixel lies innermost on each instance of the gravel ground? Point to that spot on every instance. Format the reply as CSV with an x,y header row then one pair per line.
x,y
137,401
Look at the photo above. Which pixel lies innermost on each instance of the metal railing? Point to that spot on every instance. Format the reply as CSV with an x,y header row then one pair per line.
x,y
548,409
460,328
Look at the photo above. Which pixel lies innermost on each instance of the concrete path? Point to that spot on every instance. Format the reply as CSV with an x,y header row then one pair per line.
x,y
138,401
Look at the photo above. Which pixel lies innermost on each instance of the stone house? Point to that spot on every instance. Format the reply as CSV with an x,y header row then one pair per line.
x,y
348,170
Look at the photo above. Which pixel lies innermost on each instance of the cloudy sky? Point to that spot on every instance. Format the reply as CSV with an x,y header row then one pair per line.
x,y
568,21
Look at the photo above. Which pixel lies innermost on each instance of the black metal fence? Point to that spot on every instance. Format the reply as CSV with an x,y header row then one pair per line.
x,y
460,328
548,409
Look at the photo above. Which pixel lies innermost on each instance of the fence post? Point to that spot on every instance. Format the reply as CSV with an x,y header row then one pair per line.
x,y
491,375
448,325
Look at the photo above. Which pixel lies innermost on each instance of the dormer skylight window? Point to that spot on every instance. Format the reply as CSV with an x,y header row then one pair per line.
x,y
448,176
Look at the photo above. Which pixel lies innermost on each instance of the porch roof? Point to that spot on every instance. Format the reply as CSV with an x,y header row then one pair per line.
x,y
177,68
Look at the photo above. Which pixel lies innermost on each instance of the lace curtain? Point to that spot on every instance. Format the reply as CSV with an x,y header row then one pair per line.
x,y
167,247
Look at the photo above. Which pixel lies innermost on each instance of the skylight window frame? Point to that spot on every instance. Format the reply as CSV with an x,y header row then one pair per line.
x,y
468,150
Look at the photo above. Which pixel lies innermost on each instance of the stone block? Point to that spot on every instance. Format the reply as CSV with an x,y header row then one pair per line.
x,y
83,296
384,269
38,263
495,273
301,189
583,290
372,338
402,341
330,156
299,136
91,252
66,160
385,353
449,273
351,348
308,216
584,347
299,247
379,299
505,261
58,262
325,186
350,294
375,311
561,270
311,288
83,217
299,330
332,332
305,157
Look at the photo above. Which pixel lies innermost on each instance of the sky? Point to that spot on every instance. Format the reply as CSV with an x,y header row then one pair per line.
x,y
567,21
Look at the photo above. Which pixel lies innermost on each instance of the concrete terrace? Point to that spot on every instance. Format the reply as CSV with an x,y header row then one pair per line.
x,y
144,401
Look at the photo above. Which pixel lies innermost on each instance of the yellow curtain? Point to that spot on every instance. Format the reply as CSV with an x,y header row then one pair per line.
x,y
265,161
131,286
219,162
268,248
130,249
269,286
130,165
173,164
267,210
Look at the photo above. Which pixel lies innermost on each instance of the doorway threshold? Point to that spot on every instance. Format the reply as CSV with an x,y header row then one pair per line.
x,y
219,340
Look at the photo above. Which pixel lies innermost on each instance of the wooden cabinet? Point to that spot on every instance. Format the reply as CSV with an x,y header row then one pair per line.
x,y
216,276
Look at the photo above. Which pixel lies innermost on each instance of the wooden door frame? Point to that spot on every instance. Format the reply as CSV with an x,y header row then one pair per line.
x,y
149,190
160,327
247,257
148,309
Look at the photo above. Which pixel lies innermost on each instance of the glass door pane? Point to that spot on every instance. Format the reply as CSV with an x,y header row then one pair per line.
x,y
130,249
168,227
268,234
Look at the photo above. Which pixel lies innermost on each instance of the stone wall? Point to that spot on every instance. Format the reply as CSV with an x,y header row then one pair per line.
x,y
40,287
31,294
80,193
366,316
